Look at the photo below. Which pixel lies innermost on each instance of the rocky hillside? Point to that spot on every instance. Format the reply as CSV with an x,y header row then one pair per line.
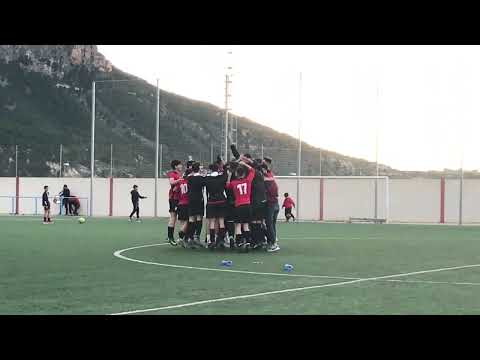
x,y
45,101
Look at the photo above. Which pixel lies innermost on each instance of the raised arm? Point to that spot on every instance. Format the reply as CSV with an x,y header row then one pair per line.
x,y
172,181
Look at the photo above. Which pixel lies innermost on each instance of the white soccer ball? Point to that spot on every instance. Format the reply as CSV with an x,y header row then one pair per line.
x,y
81,220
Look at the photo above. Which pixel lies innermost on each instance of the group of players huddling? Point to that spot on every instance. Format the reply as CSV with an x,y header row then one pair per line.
x,y
241,209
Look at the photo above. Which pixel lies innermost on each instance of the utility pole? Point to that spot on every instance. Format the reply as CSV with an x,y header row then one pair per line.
x,y
61,159
227,94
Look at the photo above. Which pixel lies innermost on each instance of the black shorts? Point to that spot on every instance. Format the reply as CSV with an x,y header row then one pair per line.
x,y
46,207
288,211
196,209
242,214
229,213
182,211
216,210
173,204
259,211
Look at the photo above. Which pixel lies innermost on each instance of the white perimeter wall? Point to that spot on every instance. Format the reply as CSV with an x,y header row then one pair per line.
x,y
411,200
7,188
415,200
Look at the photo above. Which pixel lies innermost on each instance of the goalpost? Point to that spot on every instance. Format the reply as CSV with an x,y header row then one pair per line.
x,y
338,198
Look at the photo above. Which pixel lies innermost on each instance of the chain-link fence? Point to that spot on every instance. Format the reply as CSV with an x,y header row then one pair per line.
x,y
138,161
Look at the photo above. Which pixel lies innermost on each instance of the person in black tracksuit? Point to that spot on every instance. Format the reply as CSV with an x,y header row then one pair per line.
x,y
196,206
135,202
66,200
216,204
259,205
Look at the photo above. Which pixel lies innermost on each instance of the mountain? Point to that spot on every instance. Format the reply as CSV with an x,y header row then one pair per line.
x,y
45,101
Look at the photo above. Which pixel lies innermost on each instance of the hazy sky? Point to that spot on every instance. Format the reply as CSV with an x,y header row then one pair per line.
x,y
426,111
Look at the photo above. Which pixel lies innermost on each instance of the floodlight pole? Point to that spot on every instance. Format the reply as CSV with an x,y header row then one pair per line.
x,y
227,81
320,161
460,201
157,132
299,160
92,136
376,154
61,159
16,161
92,149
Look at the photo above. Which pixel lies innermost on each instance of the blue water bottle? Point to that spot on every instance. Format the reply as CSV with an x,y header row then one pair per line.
x,y
226,262
287,267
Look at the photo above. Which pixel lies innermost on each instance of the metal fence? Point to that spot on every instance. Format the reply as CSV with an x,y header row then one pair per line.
x,y
138,161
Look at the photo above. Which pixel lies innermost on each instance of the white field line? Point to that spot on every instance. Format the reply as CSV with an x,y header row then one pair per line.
x,y
323,237
294,289
36,218
119,255
351,281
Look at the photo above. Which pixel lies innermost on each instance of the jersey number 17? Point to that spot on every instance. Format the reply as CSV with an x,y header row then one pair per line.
x,y
242,188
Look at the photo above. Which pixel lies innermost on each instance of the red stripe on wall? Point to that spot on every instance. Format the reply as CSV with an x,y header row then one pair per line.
x,y
442,200
17,194
321,199
110,210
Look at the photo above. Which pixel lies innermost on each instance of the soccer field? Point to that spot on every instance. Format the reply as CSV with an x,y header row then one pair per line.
x,y
111,266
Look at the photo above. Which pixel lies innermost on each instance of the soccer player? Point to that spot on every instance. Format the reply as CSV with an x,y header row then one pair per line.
x,y
66,199
259,205
174,176
229,219
272,206
46,206
135,202
216,205
287,204
182,210
196,206
75,202
241,188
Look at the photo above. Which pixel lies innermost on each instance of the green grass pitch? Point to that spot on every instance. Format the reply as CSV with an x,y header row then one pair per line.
x,y
70,268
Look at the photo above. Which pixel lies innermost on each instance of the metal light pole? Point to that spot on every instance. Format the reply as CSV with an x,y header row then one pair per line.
x,y
111,161
320,161
161,159
157,133
227,81
299,160
61,159
92,149
376,154
460,202
236,131
16,161
92,145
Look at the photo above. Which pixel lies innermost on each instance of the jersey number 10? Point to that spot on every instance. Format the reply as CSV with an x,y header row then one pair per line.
x,y
183,188
242,188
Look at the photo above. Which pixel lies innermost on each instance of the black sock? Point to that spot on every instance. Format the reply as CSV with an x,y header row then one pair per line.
x,y
256,233
230,229
198,230
246,236
170,232
212,236
181,234
221,235
238,238
44,219
190,230
49,220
